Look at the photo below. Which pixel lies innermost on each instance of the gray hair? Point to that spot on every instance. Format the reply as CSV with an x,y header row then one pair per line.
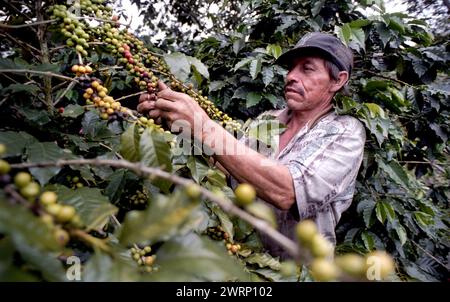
x,y
333,71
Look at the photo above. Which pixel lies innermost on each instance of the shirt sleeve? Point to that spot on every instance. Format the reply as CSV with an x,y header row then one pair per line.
x,y
325,165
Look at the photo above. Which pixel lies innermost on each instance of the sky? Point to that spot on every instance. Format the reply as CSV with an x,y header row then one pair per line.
x,y
392,6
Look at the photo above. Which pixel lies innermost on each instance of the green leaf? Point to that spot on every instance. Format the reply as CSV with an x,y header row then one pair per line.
x,y
242,63
268,75
195,258
274,50
255,68
263,260
94,127
359,23
154,150
384,210
238,45
102,268
358,38
179,65
14,88
401,232
253,98
368,240
160,221
93,207
15,142
199,66
344,33
423,219
395,171
198,168
39,117
8,271
45,152
240,93
224,219
129,143
73,111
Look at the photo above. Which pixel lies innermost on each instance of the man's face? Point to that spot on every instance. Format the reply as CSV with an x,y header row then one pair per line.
x,y
307,84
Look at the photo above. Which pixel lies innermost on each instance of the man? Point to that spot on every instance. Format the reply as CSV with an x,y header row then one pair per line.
x,y
312,173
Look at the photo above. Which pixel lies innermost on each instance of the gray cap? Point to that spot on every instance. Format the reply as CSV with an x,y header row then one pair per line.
x,y
325,45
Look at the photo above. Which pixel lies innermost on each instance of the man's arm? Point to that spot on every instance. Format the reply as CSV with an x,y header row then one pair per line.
x,y
272,181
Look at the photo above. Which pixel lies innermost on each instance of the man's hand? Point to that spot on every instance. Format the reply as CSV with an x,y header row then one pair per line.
x,y
173,107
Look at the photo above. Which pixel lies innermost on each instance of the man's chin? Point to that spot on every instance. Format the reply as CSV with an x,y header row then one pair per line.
x,y
294,104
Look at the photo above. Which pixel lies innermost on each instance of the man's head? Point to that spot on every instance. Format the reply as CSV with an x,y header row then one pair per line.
x,y
319,66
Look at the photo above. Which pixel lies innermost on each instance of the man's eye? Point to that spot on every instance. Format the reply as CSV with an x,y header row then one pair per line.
x,y
308,68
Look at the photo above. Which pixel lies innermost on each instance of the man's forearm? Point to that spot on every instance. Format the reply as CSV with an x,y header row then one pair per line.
x,y
272,181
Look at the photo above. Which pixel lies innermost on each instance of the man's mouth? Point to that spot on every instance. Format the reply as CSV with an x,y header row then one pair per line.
x,y
293,90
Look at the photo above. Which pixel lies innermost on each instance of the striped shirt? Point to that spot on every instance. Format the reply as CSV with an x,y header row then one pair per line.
x,y
323,160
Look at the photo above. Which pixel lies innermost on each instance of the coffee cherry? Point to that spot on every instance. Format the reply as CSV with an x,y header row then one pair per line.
x,y
321,247
352,264
48,198
245,194
305,231
65,214
31,190
323,270
4,167
61,236
193,191
75,68
53,209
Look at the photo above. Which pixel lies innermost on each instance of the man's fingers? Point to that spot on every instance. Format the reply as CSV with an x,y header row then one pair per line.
x,y
155,113
165,105
162,86
143,97
146,106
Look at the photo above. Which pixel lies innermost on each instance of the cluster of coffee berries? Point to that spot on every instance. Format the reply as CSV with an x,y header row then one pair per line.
x,y
232,248
144,65
217,233
75,182
144,123
140,197
143,258
323,268
80,70
62,215
109,108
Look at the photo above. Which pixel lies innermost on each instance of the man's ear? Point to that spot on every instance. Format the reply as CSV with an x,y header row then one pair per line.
x,y
340,82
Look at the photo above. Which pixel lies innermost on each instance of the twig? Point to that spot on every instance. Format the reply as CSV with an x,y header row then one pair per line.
x,y
103,20
90,240
429,255
387,78
227,205
130,95
111,149
25,45
27,24
64,93
44,73
41,34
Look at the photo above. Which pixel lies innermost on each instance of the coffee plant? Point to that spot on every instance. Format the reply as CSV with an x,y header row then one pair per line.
x,y
84,176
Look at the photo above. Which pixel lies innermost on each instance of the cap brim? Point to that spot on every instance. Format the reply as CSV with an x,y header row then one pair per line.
x,y
288,57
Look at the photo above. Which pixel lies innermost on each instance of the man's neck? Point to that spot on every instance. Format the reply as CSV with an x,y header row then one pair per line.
x,y
308,117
